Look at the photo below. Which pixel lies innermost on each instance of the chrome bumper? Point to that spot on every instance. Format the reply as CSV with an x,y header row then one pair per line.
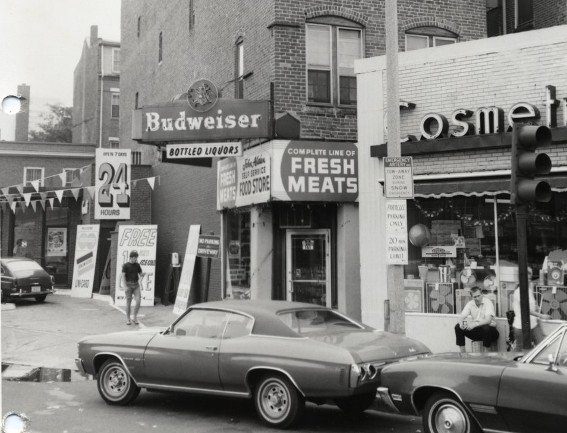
x,y
383,395
21,294
80,367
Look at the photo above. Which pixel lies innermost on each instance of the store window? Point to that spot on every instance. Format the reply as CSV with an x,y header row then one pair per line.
x,y
331,52
33,173
56,243
426,37
25,238
460,242
237,255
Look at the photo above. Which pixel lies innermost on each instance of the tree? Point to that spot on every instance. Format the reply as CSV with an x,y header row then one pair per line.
x,y
56,126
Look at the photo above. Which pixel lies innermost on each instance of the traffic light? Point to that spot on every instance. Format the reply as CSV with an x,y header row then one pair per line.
x,y
526,164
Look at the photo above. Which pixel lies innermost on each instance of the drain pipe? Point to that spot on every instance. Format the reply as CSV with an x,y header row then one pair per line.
x,y
101,94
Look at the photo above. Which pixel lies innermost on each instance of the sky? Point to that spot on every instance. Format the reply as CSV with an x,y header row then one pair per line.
x,y
41,43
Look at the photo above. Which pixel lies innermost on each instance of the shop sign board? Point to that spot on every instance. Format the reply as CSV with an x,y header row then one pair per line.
x,y
315,171
143,239
396,232
86,246
203,150
227,119
184,287
438,251
244,180
209,247
398,177
112,184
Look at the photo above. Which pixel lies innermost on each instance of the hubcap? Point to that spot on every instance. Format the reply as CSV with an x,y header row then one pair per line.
x,y
116,382
274,400
450,419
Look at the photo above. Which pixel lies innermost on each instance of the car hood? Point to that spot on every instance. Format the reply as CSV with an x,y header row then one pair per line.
x,y
125,338
371,345
492,358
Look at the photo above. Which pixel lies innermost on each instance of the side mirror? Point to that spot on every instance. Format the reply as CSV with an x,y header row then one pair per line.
x,y
551,366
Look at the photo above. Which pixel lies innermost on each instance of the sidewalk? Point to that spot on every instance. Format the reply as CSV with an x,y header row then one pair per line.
x,y
46,334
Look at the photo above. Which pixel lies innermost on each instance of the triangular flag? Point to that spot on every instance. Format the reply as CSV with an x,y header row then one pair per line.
x,y
20,188
51,200
10,199
6,190
13,206
63,177
35,184
86,194
92,191
27,198
34,205
43,195
42,203
152,181
134,182
59,193
75,192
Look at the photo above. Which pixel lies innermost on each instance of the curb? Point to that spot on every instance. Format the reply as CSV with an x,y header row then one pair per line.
x,y
8,306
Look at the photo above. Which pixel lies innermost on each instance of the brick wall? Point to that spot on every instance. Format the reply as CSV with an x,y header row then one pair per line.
x,y
486,77
549,13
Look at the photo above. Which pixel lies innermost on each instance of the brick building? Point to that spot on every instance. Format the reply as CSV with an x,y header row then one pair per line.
x,y
301,240
465,100
96,92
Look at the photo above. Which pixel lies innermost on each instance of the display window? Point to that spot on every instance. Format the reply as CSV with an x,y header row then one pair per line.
x,y
237,255
463,241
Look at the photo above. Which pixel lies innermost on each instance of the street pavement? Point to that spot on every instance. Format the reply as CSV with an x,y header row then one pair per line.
x,y
45,335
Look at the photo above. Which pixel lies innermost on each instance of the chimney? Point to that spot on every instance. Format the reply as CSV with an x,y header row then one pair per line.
x,y
94,35
23,117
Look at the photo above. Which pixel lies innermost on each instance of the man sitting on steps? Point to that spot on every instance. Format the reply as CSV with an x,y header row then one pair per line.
x,y
482,327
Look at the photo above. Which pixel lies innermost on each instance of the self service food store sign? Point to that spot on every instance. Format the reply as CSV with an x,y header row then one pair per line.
x,y
300,171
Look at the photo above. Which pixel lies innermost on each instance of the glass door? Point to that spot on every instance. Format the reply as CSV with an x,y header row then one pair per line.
x,y
309,266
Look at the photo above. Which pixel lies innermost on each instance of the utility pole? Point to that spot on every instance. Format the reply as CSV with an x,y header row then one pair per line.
x,y
394,315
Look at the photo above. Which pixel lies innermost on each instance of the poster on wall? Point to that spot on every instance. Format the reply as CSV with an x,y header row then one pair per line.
x,y
56,242
86,247
143,239
184,287
112,184
244,180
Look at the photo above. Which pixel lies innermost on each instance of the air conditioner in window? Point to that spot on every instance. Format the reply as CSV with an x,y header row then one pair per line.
x,y
554,301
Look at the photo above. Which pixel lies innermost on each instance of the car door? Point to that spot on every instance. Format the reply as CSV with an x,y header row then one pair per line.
x,y
188,355
533,394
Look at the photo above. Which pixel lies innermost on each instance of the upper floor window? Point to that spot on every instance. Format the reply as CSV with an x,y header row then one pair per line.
x,y
191,14
136,101
115,104
69,175
113,142
160,47
524,16
331,52
139,26
116,60
426,37
33,173
239,70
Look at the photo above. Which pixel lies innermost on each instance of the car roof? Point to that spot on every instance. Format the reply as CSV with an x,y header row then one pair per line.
x,y
16,259
264,312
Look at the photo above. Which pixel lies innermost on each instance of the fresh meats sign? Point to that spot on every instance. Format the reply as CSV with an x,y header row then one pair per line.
x,y
316,171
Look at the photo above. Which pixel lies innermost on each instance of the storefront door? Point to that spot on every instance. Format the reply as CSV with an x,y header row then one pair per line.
x,y
308,266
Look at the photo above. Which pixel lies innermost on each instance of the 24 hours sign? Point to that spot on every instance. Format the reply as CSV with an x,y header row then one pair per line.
x,y
112,182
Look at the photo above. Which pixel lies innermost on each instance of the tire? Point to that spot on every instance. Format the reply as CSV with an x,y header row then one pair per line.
x,y
443,413
40,298
278,403
115,385
356,404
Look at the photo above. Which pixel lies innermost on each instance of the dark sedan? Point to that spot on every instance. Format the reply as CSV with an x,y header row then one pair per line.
x,y
278,353
464,393
24,278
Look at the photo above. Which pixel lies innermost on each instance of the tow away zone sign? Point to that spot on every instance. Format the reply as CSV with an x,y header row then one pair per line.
x,y
398,177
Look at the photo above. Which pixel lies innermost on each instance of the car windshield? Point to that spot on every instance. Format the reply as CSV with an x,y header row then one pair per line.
x,y
23,265
316,320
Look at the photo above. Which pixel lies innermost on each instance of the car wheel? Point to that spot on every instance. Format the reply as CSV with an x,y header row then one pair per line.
x,y
356,404
445,414
40,298
115,384
278,402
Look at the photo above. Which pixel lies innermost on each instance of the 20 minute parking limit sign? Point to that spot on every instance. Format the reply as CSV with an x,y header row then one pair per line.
x,y
398,177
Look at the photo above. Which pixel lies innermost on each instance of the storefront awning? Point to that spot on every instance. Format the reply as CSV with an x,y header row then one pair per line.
x,y
476,187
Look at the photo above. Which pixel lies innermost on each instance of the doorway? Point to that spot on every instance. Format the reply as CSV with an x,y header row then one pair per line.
x,y
308,266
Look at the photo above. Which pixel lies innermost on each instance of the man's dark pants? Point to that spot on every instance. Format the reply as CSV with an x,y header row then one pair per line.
x,y
485,333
